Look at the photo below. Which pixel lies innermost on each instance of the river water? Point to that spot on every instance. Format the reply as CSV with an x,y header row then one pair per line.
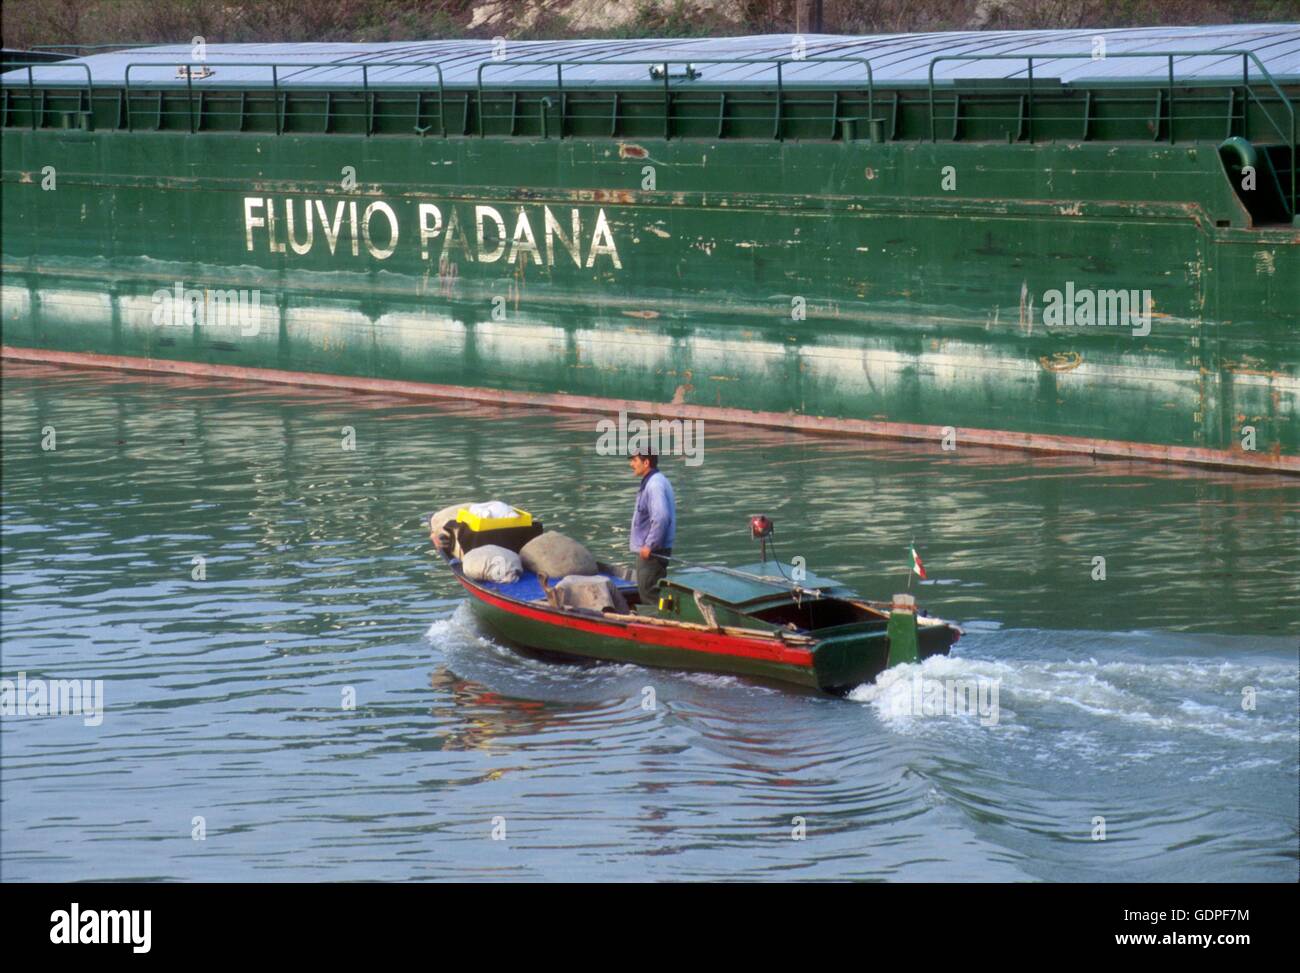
x,y
1146,726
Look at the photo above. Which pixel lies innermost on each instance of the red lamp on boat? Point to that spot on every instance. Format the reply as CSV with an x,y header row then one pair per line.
x,y
760,528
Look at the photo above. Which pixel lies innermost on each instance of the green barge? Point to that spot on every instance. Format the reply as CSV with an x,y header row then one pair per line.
x,y
1065,241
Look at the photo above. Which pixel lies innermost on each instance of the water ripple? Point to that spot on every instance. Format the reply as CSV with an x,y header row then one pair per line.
x,y
289,676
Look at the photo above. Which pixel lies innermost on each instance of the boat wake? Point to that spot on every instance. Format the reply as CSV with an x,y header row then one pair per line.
x,y
1248,698
1126,685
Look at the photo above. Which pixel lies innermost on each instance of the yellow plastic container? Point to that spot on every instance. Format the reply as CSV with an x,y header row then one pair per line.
x,y
522,518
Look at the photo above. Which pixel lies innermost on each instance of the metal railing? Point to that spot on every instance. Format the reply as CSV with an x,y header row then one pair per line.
x,y
667,66
282,86
279,88
38,118
1247,59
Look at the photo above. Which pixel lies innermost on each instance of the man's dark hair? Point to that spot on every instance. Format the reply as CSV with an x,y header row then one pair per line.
x,y
646,454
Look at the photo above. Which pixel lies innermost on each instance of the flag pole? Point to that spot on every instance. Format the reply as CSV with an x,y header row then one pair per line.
x,y
911,569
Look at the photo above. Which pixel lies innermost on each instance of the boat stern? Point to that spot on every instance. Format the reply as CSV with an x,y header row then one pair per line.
x,y
848,658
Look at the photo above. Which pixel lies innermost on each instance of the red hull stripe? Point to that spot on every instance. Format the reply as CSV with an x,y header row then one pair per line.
x,y
694,641
819,425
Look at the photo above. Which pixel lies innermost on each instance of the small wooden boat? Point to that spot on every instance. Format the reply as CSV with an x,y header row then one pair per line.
x,y
754,620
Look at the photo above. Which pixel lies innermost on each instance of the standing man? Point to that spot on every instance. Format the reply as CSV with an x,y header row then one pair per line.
x,y
654,523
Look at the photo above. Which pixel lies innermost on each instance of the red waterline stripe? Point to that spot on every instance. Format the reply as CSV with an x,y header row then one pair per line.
x,y
1274,462
764,650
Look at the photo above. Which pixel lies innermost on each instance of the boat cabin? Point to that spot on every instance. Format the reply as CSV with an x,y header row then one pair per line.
x,y
762,596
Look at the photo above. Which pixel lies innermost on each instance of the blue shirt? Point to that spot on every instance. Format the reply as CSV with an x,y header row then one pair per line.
x,y
654,521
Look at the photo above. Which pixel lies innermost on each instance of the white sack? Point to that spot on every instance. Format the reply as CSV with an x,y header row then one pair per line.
x,y
492,563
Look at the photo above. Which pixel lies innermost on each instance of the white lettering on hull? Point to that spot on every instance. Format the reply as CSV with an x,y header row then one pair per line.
x,y
275,226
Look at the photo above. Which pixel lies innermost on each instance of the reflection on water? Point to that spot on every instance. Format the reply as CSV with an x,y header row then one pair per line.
x,y
228,696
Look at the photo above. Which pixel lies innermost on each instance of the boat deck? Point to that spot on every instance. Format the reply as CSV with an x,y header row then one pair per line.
x,y
1150,84
1124,55
529,588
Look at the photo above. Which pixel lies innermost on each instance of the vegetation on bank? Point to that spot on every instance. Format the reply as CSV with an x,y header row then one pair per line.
x,y
30,22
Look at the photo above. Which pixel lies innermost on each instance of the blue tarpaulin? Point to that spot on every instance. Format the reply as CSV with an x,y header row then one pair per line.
x,y
898,59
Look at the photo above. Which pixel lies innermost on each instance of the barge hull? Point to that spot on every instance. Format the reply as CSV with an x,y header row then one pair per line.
x,y
900,285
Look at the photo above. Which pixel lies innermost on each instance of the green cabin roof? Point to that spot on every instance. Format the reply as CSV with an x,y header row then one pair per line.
x,y
748,585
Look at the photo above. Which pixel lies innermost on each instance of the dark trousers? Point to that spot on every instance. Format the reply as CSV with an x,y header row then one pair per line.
x,y
649,572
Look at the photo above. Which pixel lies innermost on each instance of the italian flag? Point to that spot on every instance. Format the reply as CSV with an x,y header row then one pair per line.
x,y
917,566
